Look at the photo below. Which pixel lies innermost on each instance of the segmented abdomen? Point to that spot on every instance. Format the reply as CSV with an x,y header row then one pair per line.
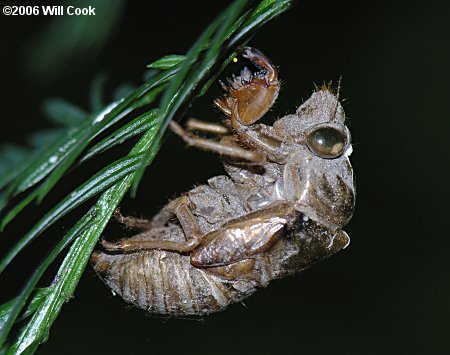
x,y
163,283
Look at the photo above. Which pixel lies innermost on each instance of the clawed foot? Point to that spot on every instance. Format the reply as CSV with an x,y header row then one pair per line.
x,y
132,222
110,246
250,95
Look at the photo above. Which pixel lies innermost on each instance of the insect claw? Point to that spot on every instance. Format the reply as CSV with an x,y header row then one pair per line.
x,y
117,214
233,83
223,86
112,246
246,75
105,244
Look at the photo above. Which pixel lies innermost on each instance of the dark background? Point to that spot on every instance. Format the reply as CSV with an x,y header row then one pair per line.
x,y
388,292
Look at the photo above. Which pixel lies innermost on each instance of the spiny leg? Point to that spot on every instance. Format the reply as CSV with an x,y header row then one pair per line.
x,y
248,98
179,207
261,61
222,147
250,95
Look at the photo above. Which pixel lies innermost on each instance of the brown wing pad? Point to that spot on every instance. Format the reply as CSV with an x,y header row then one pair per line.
x,y
243,237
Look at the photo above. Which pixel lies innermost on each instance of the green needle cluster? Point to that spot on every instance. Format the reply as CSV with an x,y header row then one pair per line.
x,y
179,81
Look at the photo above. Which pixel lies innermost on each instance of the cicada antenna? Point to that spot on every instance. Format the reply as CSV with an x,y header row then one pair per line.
x,y
337,98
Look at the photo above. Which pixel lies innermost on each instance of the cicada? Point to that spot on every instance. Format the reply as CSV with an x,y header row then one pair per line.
x,y
287,193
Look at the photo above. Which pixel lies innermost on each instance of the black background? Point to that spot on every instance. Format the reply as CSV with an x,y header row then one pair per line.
x,y
389,291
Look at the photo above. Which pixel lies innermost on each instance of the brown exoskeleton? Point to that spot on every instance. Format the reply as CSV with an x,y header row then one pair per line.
x,y
288,193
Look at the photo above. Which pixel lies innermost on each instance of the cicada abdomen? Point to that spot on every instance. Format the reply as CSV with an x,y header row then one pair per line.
x,y
168,283
163,282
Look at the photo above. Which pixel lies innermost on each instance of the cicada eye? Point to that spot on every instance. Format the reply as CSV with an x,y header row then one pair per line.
x,y
326,142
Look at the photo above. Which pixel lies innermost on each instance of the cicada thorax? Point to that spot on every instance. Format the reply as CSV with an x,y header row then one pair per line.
x,y
321,189
317,175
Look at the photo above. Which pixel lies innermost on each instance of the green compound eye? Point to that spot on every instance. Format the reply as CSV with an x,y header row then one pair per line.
x,y
326,142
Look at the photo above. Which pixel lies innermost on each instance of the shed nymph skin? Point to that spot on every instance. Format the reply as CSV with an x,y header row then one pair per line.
x,y
281,207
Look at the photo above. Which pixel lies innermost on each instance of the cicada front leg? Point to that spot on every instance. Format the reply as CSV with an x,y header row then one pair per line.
x,y
250,95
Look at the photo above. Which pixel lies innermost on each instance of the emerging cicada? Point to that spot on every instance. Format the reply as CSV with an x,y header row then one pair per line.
x,y
288,193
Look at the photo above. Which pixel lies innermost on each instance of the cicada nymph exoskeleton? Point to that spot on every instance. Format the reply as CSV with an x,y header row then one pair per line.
x,y
241,230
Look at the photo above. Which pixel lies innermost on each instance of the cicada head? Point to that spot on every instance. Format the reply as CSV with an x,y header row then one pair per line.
x,y
318,176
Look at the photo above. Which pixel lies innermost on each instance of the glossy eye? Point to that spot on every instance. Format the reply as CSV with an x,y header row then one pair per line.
x,y
326,142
